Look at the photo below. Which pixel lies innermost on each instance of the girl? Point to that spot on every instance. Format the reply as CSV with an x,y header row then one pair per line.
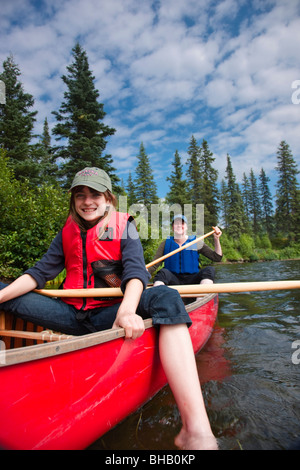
x,y
100,246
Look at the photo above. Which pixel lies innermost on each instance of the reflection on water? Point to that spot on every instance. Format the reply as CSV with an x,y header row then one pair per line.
x,y
250,384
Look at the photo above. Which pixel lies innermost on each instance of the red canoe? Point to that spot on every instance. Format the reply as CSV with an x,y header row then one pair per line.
x,y
67,393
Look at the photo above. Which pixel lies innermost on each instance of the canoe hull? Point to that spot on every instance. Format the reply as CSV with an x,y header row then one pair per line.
x,y
68,401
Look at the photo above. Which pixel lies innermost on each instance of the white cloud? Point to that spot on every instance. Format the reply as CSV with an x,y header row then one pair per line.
x,y
166,70
226,9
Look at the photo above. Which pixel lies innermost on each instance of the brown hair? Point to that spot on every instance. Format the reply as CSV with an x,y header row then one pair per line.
x,y
83,225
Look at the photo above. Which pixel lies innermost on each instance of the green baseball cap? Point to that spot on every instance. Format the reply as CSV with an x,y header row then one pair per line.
x,y
93,178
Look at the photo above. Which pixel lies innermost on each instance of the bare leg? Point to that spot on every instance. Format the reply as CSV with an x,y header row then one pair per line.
x,y
178,360
158,283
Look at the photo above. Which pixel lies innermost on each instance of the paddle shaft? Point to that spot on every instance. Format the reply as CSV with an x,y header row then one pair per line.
x,y
187,289
183,247
85,294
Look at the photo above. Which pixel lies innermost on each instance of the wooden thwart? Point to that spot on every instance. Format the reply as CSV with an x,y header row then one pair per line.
x,y
2,321
42,336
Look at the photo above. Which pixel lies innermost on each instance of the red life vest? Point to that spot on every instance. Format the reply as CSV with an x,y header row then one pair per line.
x,y
82,249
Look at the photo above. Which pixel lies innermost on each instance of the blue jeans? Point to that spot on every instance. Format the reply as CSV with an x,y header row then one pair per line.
x,y
173,279
162,304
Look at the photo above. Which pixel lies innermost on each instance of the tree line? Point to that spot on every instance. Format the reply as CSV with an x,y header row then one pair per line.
x,y
36,171
239,208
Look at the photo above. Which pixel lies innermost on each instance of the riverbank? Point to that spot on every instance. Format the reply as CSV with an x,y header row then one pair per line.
x,y
242,261
248,248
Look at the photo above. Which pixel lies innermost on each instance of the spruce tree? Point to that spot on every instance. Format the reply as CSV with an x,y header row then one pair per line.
x,y
145,186
246,194
235,207
266,202
44,155
16,123
79,122
287,187
254,204
193,172
209,192
295,217
178,193
130,188
224,200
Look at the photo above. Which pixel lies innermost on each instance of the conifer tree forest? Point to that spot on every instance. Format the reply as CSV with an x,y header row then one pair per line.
x,y
36,171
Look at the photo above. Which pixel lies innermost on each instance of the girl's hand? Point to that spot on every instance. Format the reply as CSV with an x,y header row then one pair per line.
x,y
131,322
126,316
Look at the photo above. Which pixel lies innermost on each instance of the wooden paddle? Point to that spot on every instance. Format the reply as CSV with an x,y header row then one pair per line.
x,y
187,289
183,247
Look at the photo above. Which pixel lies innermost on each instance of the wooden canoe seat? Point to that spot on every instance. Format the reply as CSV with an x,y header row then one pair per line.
x,y
17,333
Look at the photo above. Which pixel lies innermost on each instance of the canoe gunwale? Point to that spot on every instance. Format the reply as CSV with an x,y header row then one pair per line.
x,y
40,351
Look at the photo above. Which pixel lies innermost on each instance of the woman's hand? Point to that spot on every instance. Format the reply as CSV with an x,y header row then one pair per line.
x,y
218,232
217,235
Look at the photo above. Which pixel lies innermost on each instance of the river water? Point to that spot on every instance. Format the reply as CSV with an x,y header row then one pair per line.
x,y
249,371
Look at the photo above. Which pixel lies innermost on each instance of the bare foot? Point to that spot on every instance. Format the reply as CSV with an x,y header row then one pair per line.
x,y
187,441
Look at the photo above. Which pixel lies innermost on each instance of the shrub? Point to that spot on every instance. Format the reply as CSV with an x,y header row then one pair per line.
x,y
30,219
246,246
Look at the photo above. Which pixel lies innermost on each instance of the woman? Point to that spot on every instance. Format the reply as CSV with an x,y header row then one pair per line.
x,y
183,267
99,246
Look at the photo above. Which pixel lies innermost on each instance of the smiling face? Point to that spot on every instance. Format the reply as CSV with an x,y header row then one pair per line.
x,y
90,205
180,228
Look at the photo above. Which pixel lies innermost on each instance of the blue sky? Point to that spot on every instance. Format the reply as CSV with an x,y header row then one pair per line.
x,y
220,70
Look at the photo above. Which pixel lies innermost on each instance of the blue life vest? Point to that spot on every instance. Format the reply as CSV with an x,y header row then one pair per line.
x,y
186,261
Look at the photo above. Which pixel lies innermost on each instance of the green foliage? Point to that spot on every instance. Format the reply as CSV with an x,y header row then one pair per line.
x,y
30,219
290,252
263,242
246,246
230,252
